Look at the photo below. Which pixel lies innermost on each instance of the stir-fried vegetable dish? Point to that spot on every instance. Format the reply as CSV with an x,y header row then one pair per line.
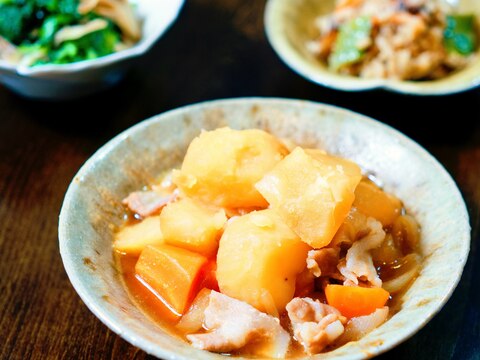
x,y
395,39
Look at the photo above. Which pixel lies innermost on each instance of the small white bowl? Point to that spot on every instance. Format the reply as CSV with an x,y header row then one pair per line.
x,y
289,25
92,209
67,81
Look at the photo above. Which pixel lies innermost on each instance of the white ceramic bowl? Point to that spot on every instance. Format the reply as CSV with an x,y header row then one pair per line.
x,y
68,81
92,209
289,26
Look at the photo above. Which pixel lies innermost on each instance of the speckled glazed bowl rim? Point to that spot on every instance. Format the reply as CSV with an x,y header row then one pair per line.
x,y
72,261
276,32
138,49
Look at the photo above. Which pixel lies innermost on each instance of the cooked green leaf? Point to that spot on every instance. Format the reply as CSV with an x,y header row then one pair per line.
x,y
352,40
460,35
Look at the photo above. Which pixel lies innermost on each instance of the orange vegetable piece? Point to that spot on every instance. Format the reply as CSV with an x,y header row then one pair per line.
x,y
173,273
209,276
353,301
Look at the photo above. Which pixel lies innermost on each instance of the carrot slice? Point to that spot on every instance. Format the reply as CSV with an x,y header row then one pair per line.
x,y
174,274
209,276
353,301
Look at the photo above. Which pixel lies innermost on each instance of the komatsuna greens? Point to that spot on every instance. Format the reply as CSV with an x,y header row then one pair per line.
x,y
55,32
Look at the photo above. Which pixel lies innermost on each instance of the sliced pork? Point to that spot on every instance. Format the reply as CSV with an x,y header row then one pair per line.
x,y
323,262
358,263
315,325
233,324
146,203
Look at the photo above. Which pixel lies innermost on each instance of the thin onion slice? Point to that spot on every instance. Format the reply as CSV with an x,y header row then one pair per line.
x,y
396,284
192,321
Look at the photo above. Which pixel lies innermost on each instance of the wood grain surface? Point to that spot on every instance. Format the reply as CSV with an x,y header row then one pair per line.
x,y
216,49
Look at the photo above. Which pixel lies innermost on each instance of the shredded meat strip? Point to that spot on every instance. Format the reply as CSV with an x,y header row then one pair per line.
x,y
323,262
147,203
315,325
233,324
358,263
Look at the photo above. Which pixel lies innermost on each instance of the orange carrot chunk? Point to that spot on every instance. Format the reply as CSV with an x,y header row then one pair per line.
x,y
174,274
209,276
353,301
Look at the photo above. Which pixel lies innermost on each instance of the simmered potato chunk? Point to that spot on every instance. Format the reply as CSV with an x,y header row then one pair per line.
x,y
192,226
133,239
222,166
258,260
312,192
374,202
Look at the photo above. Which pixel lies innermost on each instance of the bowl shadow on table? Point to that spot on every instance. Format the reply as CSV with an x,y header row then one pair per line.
x,y
429,120
101,115
447,120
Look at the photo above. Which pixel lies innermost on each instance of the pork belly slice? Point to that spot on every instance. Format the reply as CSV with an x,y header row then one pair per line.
x,y
323,262
358,263
315,325
233,324
147,203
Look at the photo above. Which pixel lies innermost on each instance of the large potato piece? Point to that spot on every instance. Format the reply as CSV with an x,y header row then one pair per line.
x,y
192,226
312,192
258,260
222,166
374,202
132,239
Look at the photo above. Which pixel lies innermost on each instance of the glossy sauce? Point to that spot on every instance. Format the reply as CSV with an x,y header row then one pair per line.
x,y
153,306
145,299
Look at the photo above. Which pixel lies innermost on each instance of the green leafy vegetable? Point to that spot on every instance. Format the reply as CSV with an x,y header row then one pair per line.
x,y
33,53
51,25
32,25
13,20
90,46
67,7
460,36
351,43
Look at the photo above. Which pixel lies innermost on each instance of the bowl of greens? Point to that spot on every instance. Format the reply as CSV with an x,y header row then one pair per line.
x,y
61,49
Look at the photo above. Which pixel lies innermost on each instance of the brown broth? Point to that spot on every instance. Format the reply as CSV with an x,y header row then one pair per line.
x,y
146,300
153,306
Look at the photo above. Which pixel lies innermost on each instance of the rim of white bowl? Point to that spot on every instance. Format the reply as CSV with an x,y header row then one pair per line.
x,y
92,302
138,49
296,62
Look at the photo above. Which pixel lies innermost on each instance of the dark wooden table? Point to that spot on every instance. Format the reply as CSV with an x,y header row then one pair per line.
x,y
216,49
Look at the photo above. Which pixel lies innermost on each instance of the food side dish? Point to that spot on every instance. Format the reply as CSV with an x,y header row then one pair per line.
x,y
396,39
258,248
38,32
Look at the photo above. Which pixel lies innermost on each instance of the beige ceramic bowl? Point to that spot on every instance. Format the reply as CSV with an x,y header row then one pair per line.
x,y
92,209
289,26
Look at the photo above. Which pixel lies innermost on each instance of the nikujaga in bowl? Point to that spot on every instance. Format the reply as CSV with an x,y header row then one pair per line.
x,y
93,213
253,247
